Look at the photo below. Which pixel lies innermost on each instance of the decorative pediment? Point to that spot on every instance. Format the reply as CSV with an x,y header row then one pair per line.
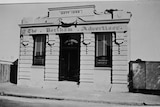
x,y
74,15
72,11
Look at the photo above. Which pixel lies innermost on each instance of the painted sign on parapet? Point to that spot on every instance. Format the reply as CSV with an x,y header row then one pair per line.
x,y
77,29
72,11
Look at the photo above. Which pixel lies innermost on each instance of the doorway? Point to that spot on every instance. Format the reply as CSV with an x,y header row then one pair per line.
x,y
69,61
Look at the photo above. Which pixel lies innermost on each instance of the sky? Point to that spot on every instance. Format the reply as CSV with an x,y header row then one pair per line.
x,y
144,24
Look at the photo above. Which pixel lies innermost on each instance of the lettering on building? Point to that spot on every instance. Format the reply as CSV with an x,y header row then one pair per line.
x,y
78,29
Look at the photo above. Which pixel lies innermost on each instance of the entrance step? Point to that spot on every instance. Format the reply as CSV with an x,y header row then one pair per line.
x,y
67,85
119,88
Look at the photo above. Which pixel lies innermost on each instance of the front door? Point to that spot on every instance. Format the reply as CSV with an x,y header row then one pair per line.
x,y
69,61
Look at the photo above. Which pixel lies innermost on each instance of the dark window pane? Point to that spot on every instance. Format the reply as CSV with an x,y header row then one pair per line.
x,y
103,50
39,50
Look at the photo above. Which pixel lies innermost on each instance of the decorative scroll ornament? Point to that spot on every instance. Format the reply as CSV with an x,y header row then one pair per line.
x,y
86,40
119,39
51,40
24,40
71,42
68,22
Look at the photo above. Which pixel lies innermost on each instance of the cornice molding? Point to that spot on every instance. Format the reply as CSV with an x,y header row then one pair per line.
x,y
114,21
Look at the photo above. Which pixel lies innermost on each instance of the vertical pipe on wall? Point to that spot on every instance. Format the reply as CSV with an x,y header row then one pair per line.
x,y
112,58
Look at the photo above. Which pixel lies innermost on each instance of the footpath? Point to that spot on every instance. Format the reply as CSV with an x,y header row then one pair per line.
x,y
113,97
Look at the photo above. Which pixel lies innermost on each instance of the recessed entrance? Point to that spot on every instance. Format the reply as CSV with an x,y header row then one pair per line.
x,y
69,61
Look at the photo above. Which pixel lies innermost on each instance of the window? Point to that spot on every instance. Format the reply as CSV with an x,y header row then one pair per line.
x,y
39,49
103,52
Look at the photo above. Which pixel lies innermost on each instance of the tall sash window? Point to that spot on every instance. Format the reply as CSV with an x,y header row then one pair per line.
x,y
103,50
39,49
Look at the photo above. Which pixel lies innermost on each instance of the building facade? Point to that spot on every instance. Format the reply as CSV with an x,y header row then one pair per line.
x,y
75,45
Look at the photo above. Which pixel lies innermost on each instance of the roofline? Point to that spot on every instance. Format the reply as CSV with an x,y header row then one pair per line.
x,y
82,23
71,7
6,62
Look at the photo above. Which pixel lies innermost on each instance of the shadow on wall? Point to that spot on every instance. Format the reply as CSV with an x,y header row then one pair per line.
x,y
13,72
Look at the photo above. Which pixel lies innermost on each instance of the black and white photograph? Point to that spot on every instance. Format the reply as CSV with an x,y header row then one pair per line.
x,y
79,53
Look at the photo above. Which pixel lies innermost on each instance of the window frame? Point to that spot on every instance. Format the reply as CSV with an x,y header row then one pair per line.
x,y
109,57
44,53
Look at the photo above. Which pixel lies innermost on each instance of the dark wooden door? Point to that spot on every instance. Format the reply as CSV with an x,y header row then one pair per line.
x,y
69,61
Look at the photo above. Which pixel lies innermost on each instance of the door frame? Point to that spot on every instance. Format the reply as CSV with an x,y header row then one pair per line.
x,y
60,57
